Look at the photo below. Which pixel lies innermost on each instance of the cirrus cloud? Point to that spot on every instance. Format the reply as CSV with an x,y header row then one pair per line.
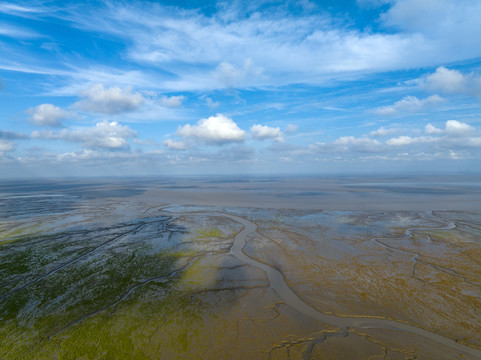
x,y
303,48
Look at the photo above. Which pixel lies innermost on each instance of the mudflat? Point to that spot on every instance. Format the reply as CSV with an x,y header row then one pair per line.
x,y
241,268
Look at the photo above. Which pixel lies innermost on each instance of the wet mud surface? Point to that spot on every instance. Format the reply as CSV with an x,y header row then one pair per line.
x,y
138,277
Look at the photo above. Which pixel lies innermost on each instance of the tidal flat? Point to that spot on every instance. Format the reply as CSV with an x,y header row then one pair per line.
x,y
241,268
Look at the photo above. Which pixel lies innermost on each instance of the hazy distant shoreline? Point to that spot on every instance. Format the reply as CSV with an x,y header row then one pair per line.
x,y
448,192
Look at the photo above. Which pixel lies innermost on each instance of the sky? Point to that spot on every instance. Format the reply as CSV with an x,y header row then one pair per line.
x,y
117,88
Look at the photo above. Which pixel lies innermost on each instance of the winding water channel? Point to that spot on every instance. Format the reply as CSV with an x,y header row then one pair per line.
x,y
278,284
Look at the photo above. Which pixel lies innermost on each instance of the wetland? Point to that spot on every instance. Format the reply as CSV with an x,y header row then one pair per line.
x,y
241,268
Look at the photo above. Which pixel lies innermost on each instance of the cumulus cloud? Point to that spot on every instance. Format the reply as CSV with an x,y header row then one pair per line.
x,y
455,134
175,145
450,81
47,115
456,140
173,101
431,129
114,100
452,127
458,128
262,132
104,135
218,129
445,80
408,104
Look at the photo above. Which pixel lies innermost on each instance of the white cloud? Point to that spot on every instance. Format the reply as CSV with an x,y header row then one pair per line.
x,y
262,132
217,129
382,131
455,133
452,82
211,103
431,129
47,115
445,80
104,135
173,101
455,141
408,104
459,155
448,25
114,100
229,75
285,48
291,128
452,127
350,143
176,145
201,51
402,141
14,9
455,127
17,33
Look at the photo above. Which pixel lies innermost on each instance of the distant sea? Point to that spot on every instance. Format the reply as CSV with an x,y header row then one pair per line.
x,y
291,192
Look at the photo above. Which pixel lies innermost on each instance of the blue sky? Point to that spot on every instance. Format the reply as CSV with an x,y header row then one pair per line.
x,y
160,88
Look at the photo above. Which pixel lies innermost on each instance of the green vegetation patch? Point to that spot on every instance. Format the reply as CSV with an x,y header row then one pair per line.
x,y
56,285
209,233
